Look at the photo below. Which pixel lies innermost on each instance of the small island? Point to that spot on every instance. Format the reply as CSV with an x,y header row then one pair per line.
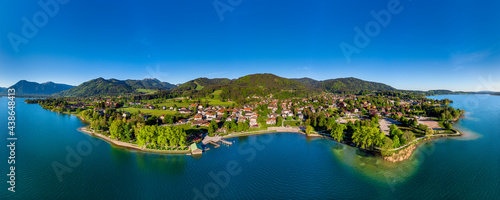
x,y
390,124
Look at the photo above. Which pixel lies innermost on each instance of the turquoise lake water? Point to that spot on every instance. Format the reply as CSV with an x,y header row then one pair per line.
x,y
271,166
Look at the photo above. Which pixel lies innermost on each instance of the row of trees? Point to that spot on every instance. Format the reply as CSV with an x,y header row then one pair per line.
x,y
364,134
233,126
161,136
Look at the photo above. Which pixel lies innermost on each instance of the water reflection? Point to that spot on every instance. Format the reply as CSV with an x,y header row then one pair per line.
x,y
121,156
166,164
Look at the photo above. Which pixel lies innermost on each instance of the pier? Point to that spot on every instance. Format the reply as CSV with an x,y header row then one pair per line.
x,y
215,141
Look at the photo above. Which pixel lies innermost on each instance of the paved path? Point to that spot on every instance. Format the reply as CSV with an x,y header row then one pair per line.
x,y
409,143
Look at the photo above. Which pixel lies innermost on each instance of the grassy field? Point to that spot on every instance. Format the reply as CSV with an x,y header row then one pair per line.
x,y
149,112
147,91
215,102
169,103
291,123
198,86
216,94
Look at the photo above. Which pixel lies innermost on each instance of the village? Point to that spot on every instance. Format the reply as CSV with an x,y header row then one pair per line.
x,y
267,112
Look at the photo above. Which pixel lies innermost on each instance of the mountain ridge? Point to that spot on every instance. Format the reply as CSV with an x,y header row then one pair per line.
x,y
24,87
113,87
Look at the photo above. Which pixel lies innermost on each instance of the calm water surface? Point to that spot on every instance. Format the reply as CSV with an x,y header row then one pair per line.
x,y
272,166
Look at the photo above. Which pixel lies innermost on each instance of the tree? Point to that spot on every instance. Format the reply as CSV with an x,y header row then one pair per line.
x,y
116,129
338,132
387,143
395,141
213,126
407,137
429,131
367,137
162,136
309,129
242,126
330,124
279,121
447,125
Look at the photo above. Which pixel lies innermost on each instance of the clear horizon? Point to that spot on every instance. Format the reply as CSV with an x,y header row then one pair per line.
x,y
410,45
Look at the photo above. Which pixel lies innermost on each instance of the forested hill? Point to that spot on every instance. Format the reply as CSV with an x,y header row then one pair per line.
x,y
264,84
149,83
28,88
345,85
243,87
113,87
200,83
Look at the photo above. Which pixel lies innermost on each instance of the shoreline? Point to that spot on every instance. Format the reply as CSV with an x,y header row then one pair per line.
x,y
406,152
401,155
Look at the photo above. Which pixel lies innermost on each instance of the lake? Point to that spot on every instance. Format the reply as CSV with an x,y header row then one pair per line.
x,y
270,166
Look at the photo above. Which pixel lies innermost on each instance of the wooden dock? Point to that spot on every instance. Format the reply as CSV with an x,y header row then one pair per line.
x,y
226,142
215,144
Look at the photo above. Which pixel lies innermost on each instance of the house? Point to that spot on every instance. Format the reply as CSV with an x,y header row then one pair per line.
x,y
301,117
273,115
374,112
271,121
126,114
195,149
219,119
201,123
146,117
253,121
242,119
231,118
198,117
184,111
210,115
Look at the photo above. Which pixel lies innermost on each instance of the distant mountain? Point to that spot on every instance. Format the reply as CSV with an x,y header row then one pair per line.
x,y
24,87
351,85
98,87
113,87
2,89
149,83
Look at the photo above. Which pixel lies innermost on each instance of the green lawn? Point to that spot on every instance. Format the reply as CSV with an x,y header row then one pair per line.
x,y
149,112
215,102
291,123
168,104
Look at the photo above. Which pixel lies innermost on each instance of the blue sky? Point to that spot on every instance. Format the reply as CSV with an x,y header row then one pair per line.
x,y
425,44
